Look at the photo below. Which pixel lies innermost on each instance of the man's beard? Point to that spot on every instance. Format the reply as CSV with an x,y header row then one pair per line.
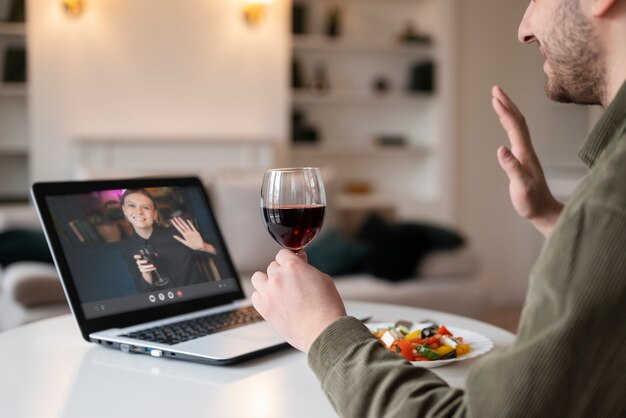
x,y
575,57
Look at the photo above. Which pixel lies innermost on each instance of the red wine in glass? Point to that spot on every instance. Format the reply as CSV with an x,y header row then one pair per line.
x,y
294,226
293,202
150,256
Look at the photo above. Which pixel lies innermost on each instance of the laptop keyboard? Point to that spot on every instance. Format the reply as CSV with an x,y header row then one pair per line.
x,y
182,331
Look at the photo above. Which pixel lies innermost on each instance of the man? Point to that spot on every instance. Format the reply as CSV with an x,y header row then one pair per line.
x,y
568,359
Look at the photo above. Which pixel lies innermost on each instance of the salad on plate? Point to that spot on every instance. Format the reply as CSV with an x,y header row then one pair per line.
x,y
430,344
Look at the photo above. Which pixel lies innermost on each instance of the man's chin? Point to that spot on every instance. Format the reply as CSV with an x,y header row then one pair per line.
x,y
556,93
559,94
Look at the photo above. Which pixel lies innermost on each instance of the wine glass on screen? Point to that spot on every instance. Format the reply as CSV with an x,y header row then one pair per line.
x,y
150,256
292,205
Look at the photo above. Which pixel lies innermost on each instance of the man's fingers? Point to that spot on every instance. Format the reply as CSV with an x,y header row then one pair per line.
x,y
255,298
506,101
302,255
516,129
259,280
285,255
509,163
272,268
511,122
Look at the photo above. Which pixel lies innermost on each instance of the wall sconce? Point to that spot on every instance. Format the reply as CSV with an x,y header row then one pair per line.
x,y
73,8
254,11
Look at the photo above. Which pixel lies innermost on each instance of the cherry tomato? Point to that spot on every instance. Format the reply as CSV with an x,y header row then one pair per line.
x,y
404,348
443,331
431,340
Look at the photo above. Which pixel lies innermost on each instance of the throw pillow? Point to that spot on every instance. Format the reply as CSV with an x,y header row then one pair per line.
x,y
23,245
335,253
398,249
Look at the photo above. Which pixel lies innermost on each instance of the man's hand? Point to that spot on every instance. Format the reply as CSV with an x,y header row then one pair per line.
x,y
297,299
528,188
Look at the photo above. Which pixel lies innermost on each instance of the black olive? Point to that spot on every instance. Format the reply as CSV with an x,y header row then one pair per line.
x,y
429,332
451,354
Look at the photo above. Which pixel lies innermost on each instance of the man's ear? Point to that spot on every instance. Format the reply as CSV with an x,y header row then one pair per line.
x,y
601,7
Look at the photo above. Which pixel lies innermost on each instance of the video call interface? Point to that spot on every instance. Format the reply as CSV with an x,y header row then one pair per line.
x,y
132,249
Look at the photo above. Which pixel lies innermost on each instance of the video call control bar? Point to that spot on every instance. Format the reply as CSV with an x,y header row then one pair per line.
x,y
157,297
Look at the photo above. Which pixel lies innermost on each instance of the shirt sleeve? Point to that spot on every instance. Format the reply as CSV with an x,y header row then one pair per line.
x,y
567,360
363,379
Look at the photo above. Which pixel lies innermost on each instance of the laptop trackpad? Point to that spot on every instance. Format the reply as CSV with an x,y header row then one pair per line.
x,y
257,332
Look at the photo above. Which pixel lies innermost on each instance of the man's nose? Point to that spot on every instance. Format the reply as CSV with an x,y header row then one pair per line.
x,y
524,33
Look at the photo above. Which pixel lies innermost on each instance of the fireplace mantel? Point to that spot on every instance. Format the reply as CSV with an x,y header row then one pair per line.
x,y
124,155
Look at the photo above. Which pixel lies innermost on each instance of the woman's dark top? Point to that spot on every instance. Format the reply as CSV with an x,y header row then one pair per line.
x,y
179,263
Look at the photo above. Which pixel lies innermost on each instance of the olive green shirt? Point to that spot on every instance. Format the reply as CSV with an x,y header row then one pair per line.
x,y
569,359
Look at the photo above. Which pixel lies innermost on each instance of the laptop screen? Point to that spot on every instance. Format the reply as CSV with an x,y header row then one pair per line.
x,y
135,248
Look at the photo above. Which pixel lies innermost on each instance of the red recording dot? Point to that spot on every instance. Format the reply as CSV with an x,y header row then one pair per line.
x,y
179,293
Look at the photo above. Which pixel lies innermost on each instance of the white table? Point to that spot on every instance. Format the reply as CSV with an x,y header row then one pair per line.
x,y
48,370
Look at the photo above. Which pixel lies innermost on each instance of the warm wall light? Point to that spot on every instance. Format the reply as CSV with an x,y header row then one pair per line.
x,y
74,7
254,11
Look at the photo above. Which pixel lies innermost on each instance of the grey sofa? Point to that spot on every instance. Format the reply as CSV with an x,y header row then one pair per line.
x,y
446,281
29,290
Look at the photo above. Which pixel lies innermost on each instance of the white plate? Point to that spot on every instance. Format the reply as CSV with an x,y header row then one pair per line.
x,y
479,344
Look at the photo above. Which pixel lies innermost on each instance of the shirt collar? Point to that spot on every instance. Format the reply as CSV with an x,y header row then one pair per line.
x,y
610,125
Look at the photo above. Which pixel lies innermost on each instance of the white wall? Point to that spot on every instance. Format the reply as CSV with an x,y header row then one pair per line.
x,y
194,69
489,53
153,68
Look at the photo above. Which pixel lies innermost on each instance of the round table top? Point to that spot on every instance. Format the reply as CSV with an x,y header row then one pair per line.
x,y
48,370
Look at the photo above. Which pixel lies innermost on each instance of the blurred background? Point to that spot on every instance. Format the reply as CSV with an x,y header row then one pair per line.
x,y
390,97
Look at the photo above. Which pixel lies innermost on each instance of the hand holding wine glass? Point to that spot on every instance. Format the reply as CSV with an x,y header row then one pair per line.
x,y
147,266
293,202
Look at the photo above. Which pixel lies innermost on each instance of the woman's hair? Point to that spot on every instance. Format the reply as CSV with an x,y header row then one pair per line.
x,y
138,191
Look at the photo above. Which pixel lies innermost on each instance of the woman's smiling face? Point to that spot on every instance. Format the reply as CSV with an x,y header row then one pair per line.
x,y
139,210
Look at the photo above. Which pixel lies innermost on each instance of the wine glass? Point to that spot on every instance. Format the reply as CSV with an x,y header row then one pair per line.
x,y
292,205
150,256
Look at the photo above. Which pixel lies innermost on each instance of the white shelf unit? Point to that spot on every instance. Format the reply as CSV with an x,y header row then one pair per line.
x,y
308,150
338,97
323,43
12,90
415,179
13,29
14,150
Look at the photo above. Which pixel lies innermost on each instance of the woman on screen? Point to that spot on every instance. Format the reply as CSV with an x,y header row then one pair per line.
x,y
163,257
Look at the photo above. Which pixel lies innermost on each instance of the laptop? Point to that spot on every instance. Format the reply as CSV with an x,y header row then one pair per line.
x,y
145,270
